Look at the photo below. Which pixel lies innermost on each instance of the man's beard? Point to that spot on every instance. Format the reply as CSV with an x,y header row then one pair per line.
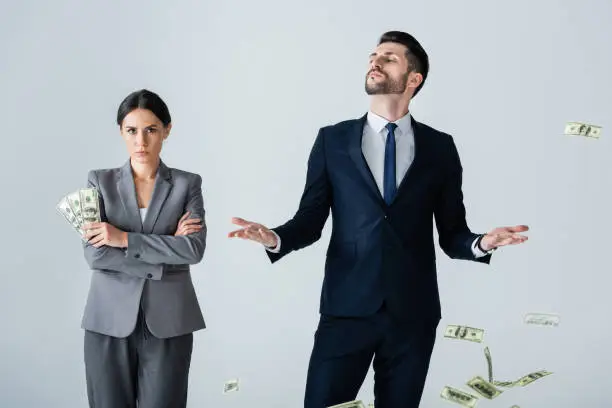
x,y
388,86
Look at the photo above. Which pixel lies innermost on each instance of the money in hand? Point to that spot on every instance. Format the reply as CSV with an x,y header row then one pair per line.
x,y
457,396
542,319
231,386
65,209
74,200
464,333
582,129
90,207
483,387
80,207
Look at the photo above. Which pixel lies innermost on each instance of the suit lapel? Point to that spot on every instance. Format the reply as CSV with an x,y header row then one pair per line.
x,y
161,189
127,193
356,154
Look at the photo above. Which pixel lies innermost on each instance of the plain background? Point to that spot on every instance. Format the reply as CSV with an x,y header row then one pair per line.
x,y
248,85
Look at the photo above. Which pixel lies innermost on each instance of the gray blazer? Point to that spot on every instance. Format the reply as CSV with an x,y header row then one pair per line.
x,y
153,271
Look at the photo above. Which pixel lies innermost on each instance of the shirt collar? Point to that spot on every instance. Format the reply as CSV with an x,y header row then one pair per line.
x,y
378,123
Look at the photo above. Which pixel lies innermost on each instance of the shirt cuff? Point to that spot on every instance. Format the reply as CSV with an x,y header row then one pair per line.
x,y
276,249
478,253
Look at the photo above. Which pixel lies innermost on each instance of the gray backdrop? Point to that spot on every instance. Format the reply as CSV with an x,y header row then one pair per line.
x,y
248,85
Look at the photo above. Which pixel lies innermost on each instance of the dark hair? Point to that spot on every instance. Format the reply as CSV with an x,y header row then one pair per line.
x,y
416,55
144,99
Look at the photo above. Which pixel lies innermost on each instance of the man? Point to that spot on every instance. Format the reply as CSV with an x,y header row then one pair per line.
x,y
384,176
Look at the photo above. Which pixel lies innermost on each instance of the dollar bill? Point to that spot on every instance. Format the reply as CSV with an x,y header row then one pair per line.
x,y
523,381
350,404
64,208
582,129
529,378
464,333
231,386
483,387
90,207
74,200
505,384
459,397
489,363
542,319
371,405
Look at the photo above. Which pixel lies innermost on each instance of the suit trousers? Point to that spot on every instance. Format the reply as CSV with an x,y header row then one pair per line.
x,y
344,348
138,370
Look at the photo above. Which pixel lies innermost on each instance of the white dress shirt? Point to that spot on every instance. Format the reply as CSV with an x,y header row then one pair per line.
x,y
373,148
143,214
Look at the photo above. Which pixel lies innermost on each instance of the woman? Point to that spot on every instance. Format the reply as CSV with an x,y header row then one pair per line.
x,y
142,308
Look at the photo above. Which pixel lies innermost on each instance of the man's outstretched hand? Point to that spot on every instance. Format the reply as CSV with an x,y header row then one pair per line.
x,y
254,232
502,236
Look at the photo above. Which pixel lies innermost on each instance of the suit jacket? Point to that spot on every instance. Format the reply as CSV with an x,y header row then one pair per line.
x,y
378,253
152,273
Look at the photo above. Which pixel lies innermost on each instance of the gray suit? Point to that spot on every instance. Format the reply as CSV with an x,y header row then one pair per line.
x,y
142,304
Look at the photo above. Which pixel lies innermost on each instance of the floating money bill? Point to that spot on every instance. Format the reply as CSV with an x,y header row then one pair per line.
x,y
90,207
542,319
350,404
65,209
489,363
529,378
483,387
464,333
523,381
371,405
231,386
505,384
457,396
515,406
582,129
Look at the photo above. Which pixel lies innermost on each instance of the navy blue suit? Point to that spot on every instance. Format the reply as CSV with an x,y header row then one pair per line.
x,y
380,293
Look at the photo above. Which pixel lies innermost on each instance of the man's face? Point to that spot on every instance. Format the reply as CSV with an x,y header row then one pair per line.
x,y
388,70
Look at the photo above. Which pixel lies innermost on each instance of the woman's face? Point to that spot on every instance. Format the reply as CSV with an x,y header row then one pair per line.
x,y
144,134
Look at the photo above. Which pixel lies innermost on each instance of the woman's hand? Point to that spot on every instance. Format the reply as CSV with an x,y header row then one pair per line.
x,y
187,225
103,233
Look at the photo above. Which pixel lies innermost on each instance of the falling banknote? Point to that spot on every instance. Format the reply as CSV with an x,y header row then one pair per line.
x,y
350,404
582,129
542,319
483,387
523,381
489,363
464,333
231,386
457,396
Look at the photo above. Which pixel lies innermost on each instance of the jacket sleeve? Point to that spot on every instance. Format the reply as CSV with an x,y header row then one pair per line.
x,y
455,237
307,224
169,249
111,259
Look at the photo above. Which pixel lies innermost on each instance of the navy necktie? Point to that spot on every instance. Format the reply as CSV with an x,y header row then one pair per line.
x,y
389,179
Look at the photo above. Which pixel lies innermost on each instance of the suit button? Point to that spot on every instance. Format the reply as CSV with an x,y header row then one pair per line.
x,y
386,217
136,255
149,275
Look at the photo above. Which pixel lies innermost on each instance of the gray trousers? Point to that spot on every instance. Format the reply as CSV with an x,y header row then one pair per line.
x,y
137,371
